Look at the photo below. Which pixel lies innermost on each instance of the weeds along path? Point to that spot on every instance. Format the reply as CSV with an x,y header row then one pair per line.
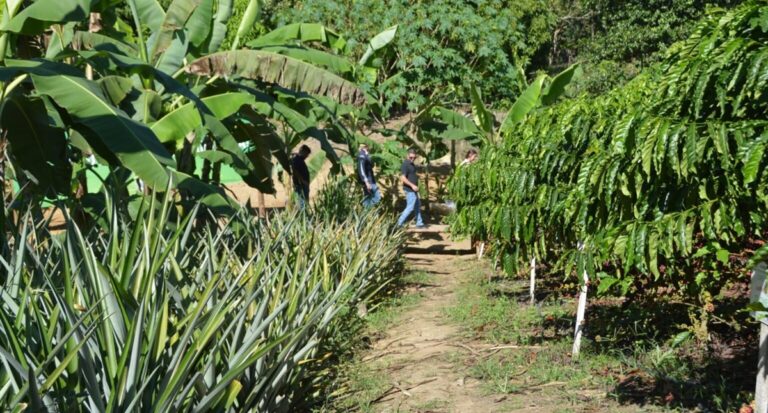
x,y
417,353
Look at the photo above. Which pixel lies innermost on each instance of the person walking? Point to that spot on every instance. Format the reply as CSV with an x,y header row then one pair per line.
x,y
300,175
411,187
372,196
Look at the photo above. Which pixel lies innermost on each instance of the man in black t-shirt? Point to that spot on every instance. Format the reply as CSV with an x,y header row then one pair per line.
x,y
301,175
410,181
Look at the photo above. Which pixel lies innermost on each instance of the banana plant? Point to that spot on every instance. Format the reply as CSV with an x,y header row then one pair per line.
x,y
151,64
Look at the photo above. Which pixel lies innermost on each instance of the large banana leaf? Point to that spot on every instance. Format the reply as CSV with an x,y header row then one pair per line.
x,y
211,196
279,69
38,147
557,87
300,32
524,104
40,15
219,25
484,119
132,143
150,13
95,41
61,37
252,13
116,88
176,17
199,24
377,43
225,140
174,126
336,64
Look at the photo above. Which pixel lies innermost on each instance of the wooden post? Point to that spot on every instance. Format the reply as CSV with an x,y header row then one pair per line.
x,y
757,295
453,155
262,207
533,281
580,316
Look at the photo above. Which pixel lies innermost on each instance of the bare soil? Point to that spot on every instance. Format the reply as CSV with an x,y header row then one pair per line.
x,y
417,350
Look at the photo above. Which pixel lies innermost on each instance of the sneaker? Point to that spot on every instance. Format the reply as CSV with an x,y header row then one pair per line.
x,y
422,226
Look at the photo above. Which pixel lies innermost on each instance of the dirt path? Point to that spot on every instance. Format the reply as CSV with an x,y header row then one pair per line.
x,y
417,350
428,361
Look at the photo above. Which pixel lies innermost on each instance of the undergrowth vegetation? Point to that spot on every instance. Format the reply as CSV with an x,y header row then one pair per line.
x,y
170,312
621,358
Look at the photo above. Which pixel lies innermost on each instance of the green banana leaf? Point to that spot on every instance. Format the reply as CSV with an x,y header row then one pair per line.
x,y
219,25
38,147
174,126
176,17
40,15
377,43
150,13
336,64
557,87
484,119
279,69
131,142
95,41
225,140
199,24
300,32
524,104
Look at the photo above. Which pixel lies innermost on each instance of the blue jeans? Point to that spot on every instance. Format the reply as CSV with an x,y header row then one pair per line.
x,y
302,196
372,197
412,203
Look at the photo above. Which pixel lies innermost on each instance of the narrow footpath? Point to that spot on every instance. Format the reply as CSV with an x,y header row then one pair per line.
x,y
419,351
427,360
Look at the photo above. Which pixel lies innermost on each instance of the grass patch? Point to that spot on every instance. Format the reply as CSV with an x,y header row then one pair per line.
x,y
398,300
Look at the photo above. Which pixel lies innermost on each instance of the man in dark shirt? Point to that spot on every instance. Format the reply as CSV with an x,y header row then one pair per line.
x,y
366,177
301,175
411,187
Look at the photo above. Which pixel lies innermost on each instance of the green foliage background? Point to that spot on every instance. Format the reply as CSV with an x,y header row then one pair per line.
x,y
446,44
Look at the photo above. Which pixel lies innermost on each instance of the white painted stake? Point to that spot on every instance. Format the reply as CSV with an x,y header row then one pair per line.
x,y
580,317
761,383
480,250
533,280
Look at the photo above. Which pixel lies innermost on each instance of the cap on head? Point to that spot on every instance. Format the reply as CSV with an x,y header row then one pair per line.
x,y
304,150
